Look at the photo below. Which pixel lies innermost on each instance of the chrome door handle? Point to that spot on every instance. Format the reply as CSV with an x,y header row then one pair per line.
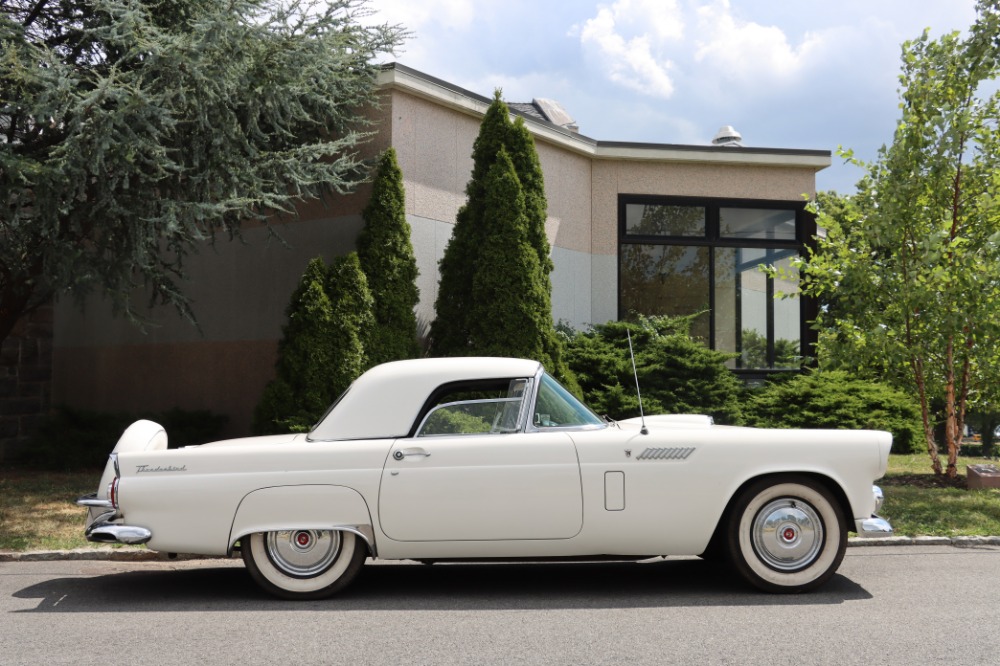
x,y
403,453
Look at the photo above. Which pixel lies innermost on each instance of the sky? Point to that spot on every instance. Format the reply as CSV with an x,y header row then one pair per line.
x,y
811,74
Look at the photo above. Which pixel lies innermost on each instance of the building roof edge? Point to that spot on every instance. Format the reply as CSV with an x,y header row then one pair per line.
x,y
399,76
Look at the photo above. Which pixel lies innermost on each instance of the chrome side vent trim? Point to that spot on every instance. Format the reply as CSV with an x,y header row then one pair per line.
x,y
674,453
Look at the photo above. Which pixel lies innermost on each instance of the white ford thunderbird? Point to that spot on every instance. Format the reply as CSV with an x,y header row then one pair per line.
x,y
490,458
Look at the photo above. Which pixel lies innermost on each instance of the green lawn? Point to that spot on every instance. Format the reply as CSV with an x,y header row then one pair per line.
x,y
37,510
916,507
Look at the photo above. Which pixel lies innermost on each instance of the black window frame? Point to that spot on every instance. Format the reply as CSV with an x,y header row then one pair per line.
x,y
805,233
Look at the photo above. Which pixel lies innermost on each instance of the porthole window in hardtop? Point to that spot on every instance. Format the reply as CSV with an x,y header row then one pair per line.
x,y
475,408
556,407
683,256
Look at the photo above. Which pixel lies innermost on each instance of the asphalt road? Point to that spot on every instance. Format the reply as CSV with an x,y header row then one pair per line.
x,y
888,605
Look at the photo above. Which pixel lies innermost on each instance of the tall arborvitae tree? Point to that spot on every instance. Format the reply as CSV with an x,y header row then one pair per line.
x,y
322,347
507,315
450,331
521,147
458,330
386,255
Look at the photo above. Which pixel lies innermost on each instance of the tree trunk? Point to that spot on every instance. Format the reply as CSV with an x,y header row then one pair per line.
x,y
918,374
952,437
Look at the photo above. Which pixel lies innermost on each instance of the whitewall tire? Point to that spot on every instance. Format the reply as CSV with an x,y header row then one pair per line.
x,y
303,564
786,534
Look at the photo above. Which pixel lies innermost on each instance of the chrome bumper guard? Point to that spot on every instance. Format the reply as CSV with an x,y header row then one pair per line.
x,y
873,527
101,529
876,526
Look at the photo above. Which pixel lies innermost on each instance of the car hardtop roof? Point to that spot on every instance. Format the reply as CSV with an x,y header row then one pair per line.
x,y
384,401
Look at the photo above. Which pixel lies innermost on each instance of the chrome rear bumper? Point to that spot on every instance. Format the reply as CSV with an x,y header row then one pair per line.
x,y
101,527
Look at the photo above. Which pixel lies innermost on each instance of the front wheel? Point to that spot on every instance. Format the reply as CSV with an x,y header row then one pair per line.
x,y
304,564
786,534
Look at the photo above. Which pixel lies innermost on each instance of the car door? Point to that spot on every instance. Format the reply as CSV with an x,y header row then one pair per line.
x,y
475,487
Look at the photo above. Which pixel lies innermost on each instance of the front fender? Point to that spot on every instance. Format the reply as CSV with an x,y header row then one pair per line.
x,y
307,507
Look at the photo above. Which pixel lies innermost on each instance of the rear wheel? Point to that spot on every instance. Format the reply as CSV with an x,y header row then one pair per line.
x,y
304,564
786,534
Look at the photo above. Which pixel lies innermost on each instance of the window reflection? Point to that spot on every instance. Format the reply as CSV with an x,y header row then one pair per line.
x,y
666,280
655,220
710,261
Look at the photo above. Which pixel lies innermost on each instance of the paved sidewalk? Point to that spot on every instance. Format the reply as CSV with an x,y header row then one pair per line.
x,y
138,554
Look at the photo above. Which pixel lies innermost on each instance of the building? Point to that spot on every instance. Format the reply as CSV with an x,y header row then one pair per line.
x,y
654,228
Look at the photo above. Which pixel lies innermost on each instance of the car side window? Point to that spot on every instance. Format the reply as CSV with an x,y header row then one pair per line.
x,y
482,408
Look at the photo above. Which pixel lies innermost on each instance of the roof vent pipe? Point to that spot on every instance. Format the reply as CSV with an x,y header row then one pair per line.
x,y
727,136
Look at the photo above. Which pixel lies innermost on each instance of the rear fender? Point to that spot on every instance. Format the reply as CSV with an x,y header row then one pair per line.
x,y
308,507
140,436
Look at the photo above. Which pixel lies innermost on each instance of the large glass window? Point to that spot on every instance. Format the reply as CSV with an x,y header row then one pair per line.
x,y
682,256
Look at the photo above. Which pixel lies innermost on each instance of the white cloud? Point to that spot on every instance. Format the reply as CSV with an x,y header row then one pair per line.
x,y
633,60
744,50
645,45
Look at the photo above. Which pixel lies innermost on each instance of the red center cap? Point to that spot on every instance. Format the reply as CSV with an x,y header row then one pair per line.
x,y
302,539
789,533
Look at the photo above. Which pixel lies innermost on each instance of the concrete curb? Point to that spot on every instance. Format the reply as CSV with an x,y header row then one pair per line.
x,y
144,555
960,542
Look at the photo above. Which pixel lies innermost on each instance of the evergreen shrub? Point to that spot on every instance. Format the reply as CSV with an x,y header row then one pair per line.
x,y
322,349
835,399
677,374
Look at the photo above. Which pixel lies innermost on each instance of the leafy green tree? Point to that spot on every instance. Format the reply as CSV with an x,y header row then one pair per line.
x,y
322,346
677,374
386,255
912,261
836,399
477,275
134,130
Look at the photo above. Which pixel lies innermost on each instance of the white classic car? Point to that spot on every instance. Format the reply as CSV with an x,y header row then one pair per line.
x,y
491,458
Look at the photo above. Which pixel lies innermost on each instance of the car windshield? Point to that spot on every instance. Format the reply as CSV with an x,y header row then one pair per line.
x,y
558,408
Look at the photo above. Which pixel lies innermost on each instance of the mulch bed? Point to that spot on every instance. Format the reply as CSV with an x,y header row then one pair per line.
x,y
924,481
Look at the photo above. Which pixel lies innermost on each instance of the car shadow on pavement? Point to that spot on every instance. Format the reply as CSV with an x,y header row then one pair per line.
x,y
226,586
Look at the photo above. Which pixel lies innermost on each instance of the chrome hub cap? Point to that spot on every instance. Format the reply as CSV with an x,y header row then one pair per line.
x,y
303,553
787,534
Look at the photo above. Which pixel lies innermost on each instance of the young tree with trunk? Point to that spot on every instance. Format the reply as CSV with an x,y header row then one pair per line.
x,y
911,263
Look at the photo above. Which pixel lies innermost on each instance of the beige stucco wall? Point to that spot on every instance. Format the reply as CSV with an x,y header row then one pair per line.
x,y
240,291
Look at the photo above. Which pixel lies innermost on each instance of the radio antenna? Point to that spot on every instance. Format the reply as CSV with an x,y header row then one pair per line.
x,y
635,373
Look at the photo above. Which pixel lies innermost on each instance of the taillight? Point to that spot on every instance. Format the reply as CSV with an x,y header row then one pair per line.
x,y
113,492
